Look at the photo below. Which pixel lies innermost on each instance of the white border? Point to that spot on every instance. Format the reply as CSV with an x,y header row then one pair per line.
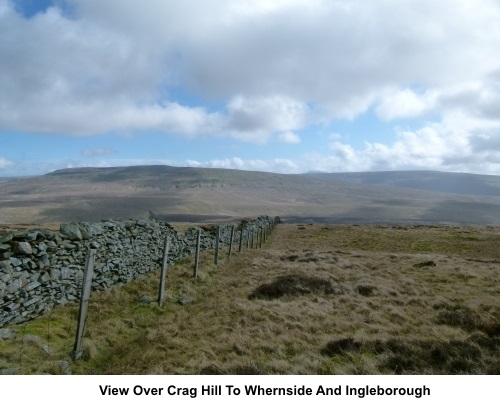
x,y
86,389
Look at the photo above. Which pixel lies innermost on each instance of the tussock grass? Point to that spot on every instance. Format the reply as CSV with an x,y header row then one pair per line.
x,y
314,300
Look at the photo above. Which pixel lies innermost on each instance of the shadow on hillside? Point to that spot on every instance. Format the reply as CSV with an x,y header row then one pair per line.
x,y
93,209
442,212
464,213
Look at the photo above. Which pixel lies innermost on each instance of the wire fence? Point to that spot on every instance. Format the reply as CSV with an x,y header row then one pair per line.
x,y
58,341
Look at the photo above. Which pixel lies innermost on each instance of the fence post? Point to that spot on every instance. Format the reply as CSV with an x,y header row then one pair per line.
x,y
163,274
197,257
260,239
231,241
241,238
84,304
217,241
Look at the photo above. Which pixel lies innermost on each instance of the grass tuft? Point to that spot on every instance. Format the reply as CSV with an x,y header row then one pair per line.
x,y
340,346
293,285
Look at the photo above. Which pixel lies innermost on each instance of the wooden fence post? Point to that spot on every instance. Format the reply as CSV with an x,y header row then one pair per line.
x,y
84,304
217,241
163,274
197,257
260,239
241,239
231,241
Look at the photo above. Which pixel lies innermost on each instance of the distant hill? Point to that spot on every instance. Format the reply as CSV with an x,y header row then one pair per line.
x,y
199,195
443,182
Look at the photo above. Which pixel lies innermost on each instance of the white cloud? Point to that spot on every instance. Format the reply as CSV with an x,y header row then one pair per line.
x,y
269,165
5,163
288,137
98,152
405,103
457,143
342,56
260,117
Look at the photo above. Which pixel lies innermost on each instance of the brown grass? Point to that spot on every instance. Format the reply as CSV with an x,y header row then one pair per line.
x,y
315,300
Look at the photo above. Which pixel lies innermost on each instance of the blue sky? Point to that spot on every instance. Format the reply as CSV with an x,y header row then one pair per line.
x,y
286,86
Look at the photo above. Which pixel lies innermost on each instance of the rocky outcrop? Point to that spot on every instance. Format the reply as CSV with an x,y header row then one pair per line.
x,y
40,268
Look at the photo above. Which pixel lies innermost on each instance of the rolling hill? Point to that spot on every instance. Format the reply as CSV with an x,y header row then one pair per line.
x,y
201,195
455,183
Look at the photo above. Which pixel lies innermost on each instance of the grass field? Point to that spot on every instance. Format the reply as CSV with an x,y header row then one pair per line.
x,y
316,299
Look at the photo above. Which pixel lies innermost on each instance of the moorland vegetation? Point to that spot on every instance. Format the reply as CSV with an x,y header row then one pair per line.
x,y
316,299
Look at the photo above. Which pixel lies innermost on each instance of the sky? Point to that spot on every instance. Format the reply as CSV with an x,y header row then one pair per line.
x,y
287,86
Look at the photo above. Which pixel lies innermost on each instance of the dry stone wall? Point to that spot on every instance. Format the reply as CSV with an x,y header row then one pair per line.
x,y
40,268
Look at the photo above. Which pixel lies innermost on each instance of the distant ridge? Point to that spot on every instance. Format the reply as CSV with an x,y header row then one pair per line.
x,y
443,182
197,194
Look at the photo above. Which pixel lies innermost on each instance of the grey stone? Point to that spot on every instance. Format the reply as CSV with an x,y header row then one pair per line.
x,y
62,301
55,274
72,231
32,301
6,265
7,334
13,286
42,246
44,277
85,231
51,246
4,247
185,300
30,264
30,235
111,242
68,246
32,286
63,367
146,299
65,273
22,293
96,229
43,262
14,261
6,238
34,339
9,371
143,223
12,306
23,248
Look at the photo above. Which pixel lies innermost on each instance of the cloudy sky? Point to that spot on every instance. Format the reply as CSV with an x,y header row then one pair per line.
x,y
286,86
